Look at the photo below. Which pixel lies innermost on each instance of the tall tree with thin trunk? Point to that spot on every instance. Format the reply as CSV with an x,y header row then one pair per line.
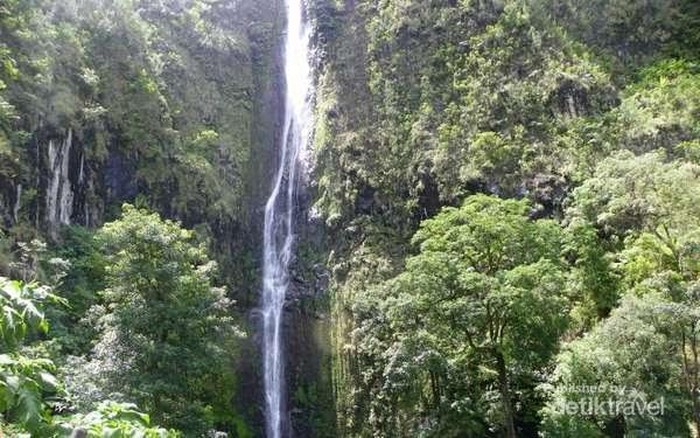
x,y
487,285
166,331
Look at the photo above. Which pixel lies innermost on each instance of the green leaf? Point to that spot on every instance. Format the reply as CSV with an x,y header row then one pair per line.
x,y
49,380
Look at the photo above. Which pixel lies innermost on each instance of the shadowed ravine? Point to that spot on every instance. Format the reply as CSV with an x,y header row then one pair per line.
x,y
279,213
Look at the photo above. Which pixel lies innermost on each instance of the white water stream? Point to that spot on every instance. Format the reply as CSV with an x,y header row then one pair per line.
x,y
279,212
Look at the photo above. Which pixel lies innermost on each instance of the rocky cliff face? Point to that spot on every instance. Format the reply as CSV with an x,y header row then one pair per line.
x,y
307,330
169,105
422,103
108,103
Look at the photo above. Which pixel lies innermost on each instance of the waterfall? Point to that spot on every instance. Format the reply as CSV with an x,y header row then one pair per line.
x,y
59,193
18,203
279,211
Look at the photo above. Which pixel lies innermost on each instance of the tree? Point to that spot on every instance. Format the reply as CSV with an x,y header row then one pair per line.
x,y
629,193
645,208
631,359
25,378
165,329
486,289
666,262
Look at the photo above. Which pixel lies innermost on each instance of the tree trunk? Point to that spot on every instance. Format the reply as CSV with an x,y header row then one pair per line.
x,y
696,412
505,395
690,374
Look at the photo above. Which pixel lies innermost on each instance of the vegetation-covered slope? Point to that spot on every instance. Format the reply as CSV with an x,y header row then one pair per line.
x,y
505,195
168,105
491,317
160,103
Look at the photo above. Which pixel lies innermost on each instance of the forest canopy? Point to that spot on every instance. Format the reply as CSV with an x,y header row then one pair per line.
x,y
496,230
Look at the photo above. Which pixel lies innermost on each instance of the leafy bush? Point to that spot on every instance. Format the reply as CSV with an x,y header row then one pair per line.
x,y
118,420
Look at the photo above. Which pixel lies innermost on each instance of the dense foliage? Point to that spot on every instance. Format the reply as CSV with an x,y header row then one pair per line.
x,y
165,334
162,336
162,104
461,314
154,97
482,305
505,212
30,394
25,375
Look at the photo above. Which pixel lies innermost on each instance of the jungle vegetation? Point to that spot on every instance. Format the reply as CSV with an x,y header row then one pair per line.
x,y
502,214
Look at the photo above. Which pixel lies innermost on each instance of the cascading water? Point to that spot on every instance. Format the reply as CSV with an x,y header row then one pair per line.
x,y
279,211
